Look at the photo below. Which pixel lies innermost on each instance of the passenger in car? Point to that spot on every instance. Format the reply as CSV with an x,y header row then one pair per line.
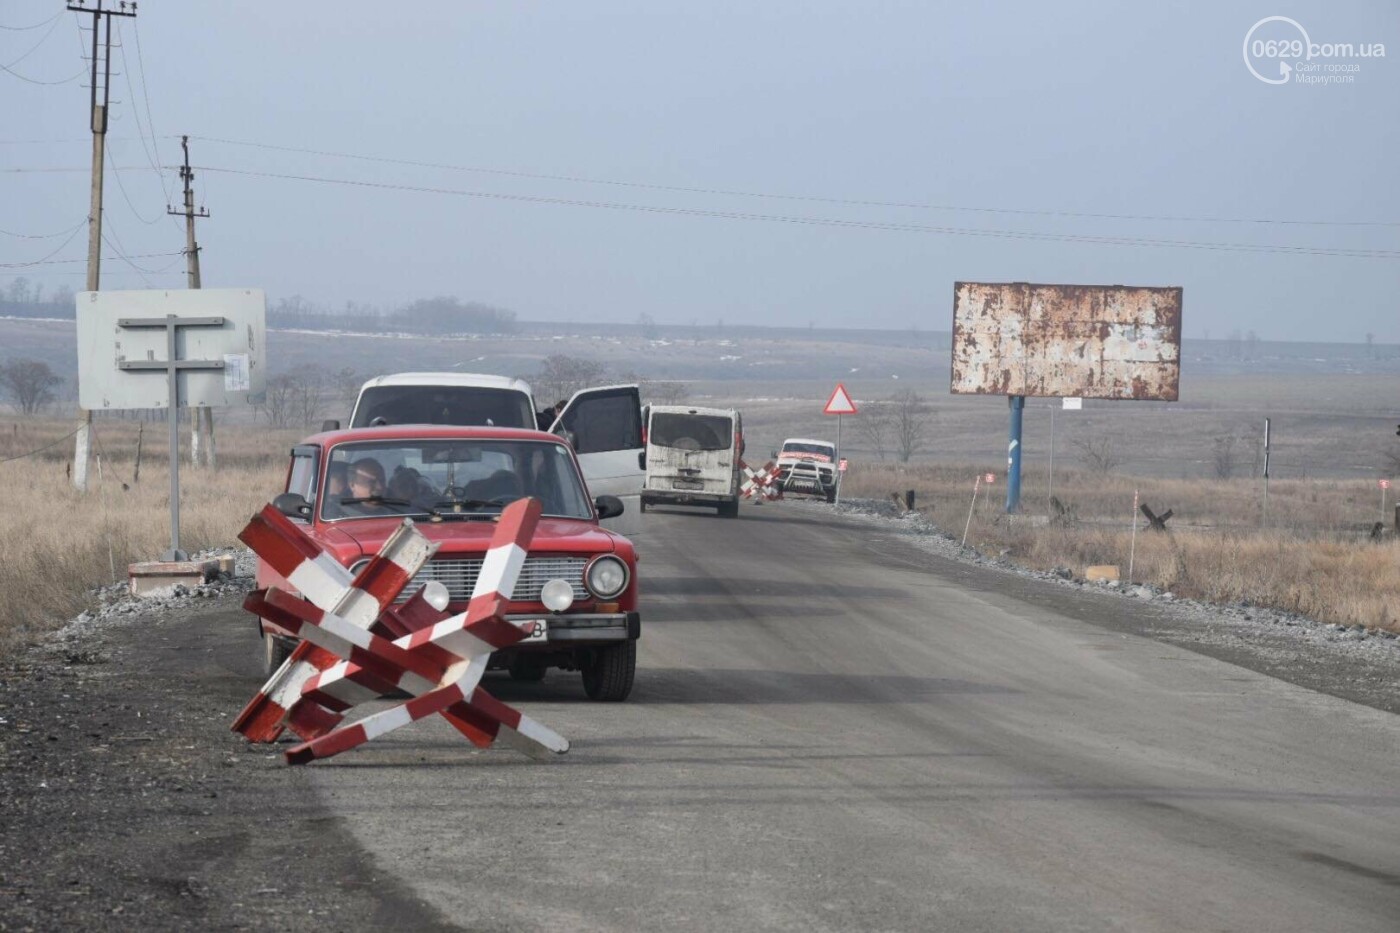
x,y
336,489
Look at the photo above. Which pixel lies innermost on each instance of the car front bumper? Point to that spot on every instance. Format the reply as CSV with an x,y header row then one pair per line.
x,y
568,630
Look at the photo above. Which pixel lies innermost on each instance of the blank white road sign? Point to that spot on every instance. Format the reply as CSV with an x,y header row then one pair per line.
x,y
238,343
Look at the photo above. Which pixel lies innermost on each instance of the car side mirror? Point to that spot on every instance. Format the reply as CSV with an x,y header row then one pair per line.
x,y
608,507
292,504
330,424
642,460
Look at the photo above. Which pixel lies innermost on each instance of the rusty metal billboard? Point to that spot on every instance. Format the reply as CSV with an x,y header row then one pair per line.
x,y
1093,341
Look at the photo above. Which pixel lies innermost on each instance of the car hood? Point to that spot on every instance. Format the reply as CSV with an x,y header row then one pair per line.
x,y
560,535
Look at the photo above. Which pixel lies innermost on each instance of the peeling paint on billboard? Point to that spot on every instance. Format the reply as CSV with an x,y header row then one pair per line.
x,y
1091,341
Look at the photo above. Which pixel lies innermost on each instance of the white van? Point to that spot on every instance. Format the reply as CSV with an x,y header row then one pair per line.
x,y
603,424
693,457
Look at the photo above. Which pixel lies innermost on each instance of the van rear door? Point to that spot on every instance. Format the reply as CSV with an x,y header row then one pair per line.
x,y
605,427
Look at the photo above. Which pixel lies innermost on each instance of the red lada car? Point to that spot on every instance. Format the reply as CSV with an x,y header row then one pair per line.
x,y
352,489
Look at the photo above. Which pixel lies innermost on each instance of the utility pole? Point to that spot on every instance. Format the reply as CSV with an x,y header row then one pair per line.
x,y
99,76
200,414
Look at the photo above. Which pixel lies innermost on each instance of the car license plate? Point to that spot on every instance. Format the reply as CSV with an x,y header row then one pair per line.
x,y
688,484
534,629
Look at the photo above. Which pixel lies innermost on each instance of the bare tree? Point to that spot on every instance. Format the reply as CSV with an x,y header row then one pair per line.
x,y
279,402
29,382
1222,456
909,417
1099,455
561,376
875,426
1390,461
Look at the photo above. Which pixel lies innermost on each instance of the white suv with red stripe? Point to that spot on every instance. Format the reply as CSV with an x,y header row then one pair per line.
x,y
578,587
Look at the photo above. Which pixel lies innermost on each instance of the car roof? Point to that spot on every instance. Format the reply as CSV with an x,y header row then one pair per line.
x,y
429,432
479,380
806,440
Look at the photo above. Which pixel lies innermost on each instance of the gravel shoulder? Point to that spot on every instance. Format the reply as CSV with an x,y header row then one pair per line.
x,y
128,804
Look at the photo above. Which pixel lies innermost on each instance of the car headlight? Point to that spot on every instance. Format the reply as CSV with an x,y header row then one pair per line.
x,y
606,576
557,595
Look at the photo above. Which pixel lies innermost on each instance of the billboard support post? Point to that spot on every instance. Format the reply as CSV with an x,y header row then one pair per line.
x,y
1017,403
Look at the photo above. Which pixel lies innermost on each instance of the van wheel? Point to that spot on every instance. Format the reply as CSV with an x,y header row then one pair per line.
x,y
642,505
607,676
728,509
275,652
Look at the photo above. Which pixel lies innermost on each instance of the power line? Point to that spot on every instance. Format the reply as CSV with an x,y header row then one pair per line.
x,y
856,202
35,47
47,261
836,222
35,26
44,236
49,258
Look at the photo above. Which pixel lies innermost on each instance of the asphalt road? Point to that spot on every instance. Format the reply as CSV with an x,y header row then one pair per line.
x,y
830,730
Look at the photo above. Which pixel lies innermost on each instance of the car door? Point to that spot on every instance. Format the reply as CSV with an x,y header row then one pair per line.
x,y
604,425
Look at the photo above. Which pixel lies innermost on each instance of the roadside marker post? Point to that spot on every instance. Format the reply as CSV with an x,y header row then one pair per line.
x,y
1385,484
976,485
1132,547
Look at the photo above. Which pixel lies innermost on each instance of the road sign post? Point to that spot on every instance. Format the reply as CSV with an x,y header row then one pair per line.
x,y
839,404
208,343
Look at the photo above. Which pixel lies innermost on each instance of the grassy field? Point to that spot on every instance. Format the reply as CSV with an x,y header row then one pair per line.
x,y
1315,556
56,544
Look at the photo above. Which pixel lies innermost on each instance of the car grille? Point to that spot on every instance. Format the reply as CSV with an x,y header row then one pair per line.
x,y
459,576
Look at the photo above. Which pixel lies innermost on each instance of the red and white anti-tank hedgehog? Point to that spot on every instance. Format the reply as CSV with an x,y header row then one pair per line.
x,y
446,578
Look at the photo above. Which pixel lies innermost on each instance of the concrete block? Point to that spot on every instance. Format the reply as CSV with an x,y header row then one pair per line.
x,y
226,562
157,576
1101,572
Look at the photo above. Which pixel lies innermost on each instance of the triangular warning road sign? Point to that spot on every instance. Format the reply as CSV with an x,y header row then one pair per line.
x,y
840,402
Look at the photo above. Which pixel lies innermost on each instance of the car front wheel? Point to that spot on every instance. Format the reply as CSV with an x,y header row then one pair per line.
x,y
275,652
607,676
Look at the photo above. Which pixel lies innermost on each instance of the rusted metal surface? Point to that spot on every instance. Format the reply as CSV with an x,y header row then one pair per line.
x,y
1093,341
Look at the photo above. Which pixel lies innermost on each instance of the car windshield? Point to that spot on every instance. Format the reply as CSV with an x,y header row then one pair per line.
x,y
430,404
452,478
692,432
818,452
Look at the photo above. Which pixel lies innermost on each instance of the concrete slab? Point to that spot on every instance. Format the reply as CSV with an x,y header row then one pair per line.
x,y
150,577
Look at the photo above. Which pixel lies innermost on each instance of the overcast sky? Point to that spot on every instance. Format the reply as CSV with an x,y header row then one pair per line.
x,y
1034,115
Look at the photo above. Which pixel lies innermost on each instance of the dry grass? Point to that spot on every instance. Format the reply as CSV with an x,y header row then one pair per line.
x,y
56,544
1316,556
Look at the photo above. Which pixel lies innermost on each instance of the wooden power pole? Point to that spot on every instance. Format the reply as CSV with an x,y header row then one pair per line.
x,y
202,414
100,79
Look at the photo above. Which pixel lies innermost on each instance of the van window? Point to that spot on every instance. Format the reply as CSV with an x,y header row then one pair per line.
x,y
692,432
605,421
422,404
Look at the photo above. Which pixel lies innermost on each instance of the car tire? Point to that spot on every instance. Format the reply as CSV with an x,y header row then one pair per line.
x,y
275,652
527,669
642,505
728,509
607,677
831,497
